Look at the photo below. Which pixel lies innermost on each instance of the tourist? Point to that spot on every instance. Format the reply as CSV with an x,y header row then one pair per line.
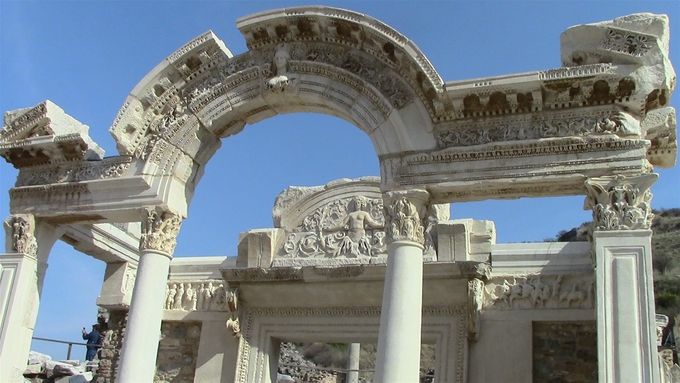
x,y
94,339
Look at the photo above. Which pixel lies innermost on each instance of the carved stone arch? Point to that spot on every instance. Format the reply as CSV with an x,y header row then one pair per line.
x,y
310,59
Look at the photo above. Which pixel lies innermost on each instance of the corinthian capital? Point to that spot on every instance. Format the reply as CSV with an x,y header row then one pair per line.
x,y
21,234
404,213
620,202
159,230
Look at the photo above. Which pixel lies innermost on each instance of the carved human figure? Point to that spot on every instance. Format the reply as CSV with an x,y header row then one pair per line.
x,y
219,298
200,296
207,296
189,302
177,304
356,242
280,81
170,298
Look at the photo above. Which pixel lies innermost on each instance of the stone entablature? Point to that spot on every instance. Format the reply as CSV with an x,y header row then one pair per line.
x,y
45,134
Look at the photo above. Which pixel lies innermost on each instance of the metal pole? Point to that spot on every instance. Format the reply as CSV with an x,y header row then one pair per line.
x,y
68,353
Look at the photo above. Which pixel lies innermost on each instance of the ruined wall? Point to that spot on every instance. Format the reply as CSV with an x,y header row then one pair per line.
x,y
564,352
177,352
111,346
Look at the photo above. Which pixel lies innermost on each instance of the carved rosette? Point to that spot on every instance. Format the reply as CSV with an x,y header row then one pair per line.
x,y
159,231
21,231
404,214
619,202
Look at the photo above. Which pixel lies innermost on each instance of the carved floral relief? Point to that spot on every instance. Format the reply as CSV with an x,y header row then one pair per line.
x,y
346,228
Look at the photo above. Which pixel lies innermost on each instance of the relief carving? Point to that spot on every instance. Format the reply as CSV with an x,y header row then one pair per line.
x,y
475,305
627,42
404,217
159,231
620,203
21,228
233,323
280,81
196,296
346,228
601,122
539,292
107,168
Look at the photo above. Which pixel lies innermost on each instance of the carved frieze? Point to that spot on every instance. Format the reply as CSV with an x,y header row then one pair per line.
x,y
159,231
351,227
627,42
196,296
21,228
620,202
537,126
82,171
539,292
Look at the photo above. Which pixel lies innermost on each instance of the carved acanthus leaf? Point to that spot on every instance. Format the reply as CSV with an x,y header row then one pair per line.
x,y
404,212
159,231
619,202
21,228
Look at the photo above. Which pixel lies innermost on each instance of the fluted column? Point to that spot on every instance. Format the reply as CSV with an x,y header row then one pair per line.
x,y
398,357
626,334
140,345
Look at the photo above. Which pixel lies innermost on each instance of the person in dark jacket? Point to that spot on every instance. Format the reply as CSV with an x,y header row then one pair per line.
x,y
94,339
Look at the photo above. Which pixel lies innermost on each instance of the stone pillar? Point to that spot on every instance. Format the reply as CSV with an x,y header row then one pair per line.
x,y
626,336
140,344
353,353
20,283
398,357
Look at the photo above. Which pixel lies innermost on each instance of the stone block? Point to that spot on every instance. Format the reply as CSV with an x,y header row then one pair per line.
x,y
256,247
465,240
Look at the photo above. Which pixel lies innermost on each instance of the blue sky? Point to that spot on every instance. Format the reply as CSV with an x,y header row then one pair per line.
x,y
86,57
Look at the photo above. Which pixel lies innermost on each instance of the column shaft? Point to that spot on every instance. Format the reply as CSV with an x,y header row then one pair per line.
x,y
401,316
140,345
353,357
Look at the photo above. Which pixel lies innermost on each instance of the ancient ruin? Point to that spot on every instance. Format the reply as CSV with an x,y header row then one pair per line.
x,y
368,260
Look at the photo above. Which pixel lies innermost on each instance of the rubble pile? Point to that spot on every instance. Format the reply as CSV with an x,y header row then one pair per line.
x,y
41,368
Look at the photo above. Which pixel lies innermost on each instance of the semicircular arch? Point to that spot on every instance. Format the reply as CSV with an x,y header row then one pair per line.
x,y
310,59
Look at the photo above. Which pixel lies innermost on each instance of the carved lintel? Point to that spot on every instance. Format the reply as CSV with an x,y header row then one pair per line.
x,y
159,231
620,202
404,213
475,304
233,323
21,231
